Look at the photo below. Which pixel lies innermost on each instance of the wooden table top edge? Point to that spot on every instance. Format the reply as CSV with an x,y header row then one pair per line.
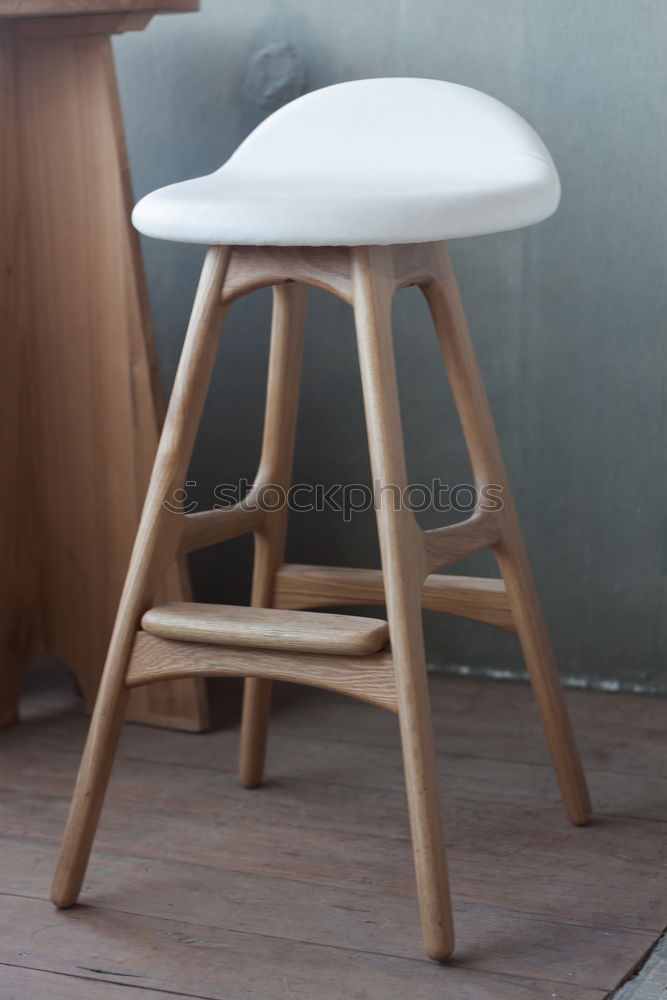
x,y
16,9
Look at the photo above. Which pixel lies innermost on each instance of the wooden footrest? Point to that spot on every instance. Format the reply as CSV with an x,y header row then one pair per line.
x,y
264,628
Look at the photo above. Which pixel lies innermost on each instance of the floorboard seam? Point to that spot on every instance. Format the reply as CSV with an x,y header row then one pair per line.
x,y
443,756
109,982
346,949
528,914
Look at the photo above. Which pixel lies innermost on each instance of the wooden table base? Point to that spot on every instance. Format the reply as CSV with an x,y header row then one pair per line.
x,y
78,378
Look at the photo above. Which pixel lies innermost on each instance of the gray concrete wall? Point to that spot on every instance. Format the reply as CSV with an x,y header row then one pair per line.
x,y
569,317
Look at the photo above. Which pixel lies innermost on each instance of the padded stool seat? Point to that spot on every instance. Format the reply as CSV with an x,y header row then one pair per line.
x,y
353,165
264,628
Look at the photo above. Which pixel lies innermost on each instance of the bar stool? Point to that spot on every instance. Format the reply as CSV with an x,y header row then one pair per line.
x,y
353,189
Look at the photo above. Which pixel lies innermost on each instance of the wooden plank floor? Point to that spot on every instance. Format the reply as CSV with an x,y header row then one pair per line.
x,y
303,890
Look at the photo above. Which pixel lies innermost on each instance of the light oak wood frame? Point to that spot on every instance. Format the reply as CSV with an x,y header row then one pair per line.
x,y
396,679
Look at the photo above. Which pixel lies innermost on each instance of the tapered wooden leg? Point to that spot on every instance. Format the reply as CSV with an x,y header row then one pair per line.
x,y
403,567
154,549
478,428
282,398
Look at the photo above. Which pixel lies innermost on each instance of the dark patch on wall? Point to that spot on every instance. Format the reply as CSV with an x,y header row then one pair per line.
x,y
275,75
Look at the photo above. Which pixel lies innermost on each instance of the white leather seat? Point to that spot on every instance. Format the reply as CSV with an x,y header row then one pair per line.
x,y
368,162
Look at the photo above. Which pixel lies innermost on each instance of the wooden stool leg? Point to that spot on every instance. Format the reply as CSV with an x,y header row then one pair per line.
x,y
154,549
404,570
471,400
282,400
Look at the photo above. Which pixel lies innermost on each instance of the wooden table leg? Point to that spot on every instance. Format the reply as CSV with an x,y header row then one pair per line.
x,y
18,640
79,379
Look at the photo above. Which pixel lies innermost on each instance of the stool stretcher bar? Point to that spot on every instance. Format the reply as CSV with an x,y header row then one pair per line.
x,y
209,527
367,677
478,598
454,542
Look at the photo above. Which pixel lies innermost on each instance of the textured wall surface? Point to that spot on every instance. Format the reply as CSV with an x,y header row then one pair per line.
x,y
569,317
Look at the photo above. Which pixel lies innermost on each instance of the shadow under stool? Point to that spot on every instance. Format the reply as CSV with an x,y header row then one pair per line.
x,y
353,189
